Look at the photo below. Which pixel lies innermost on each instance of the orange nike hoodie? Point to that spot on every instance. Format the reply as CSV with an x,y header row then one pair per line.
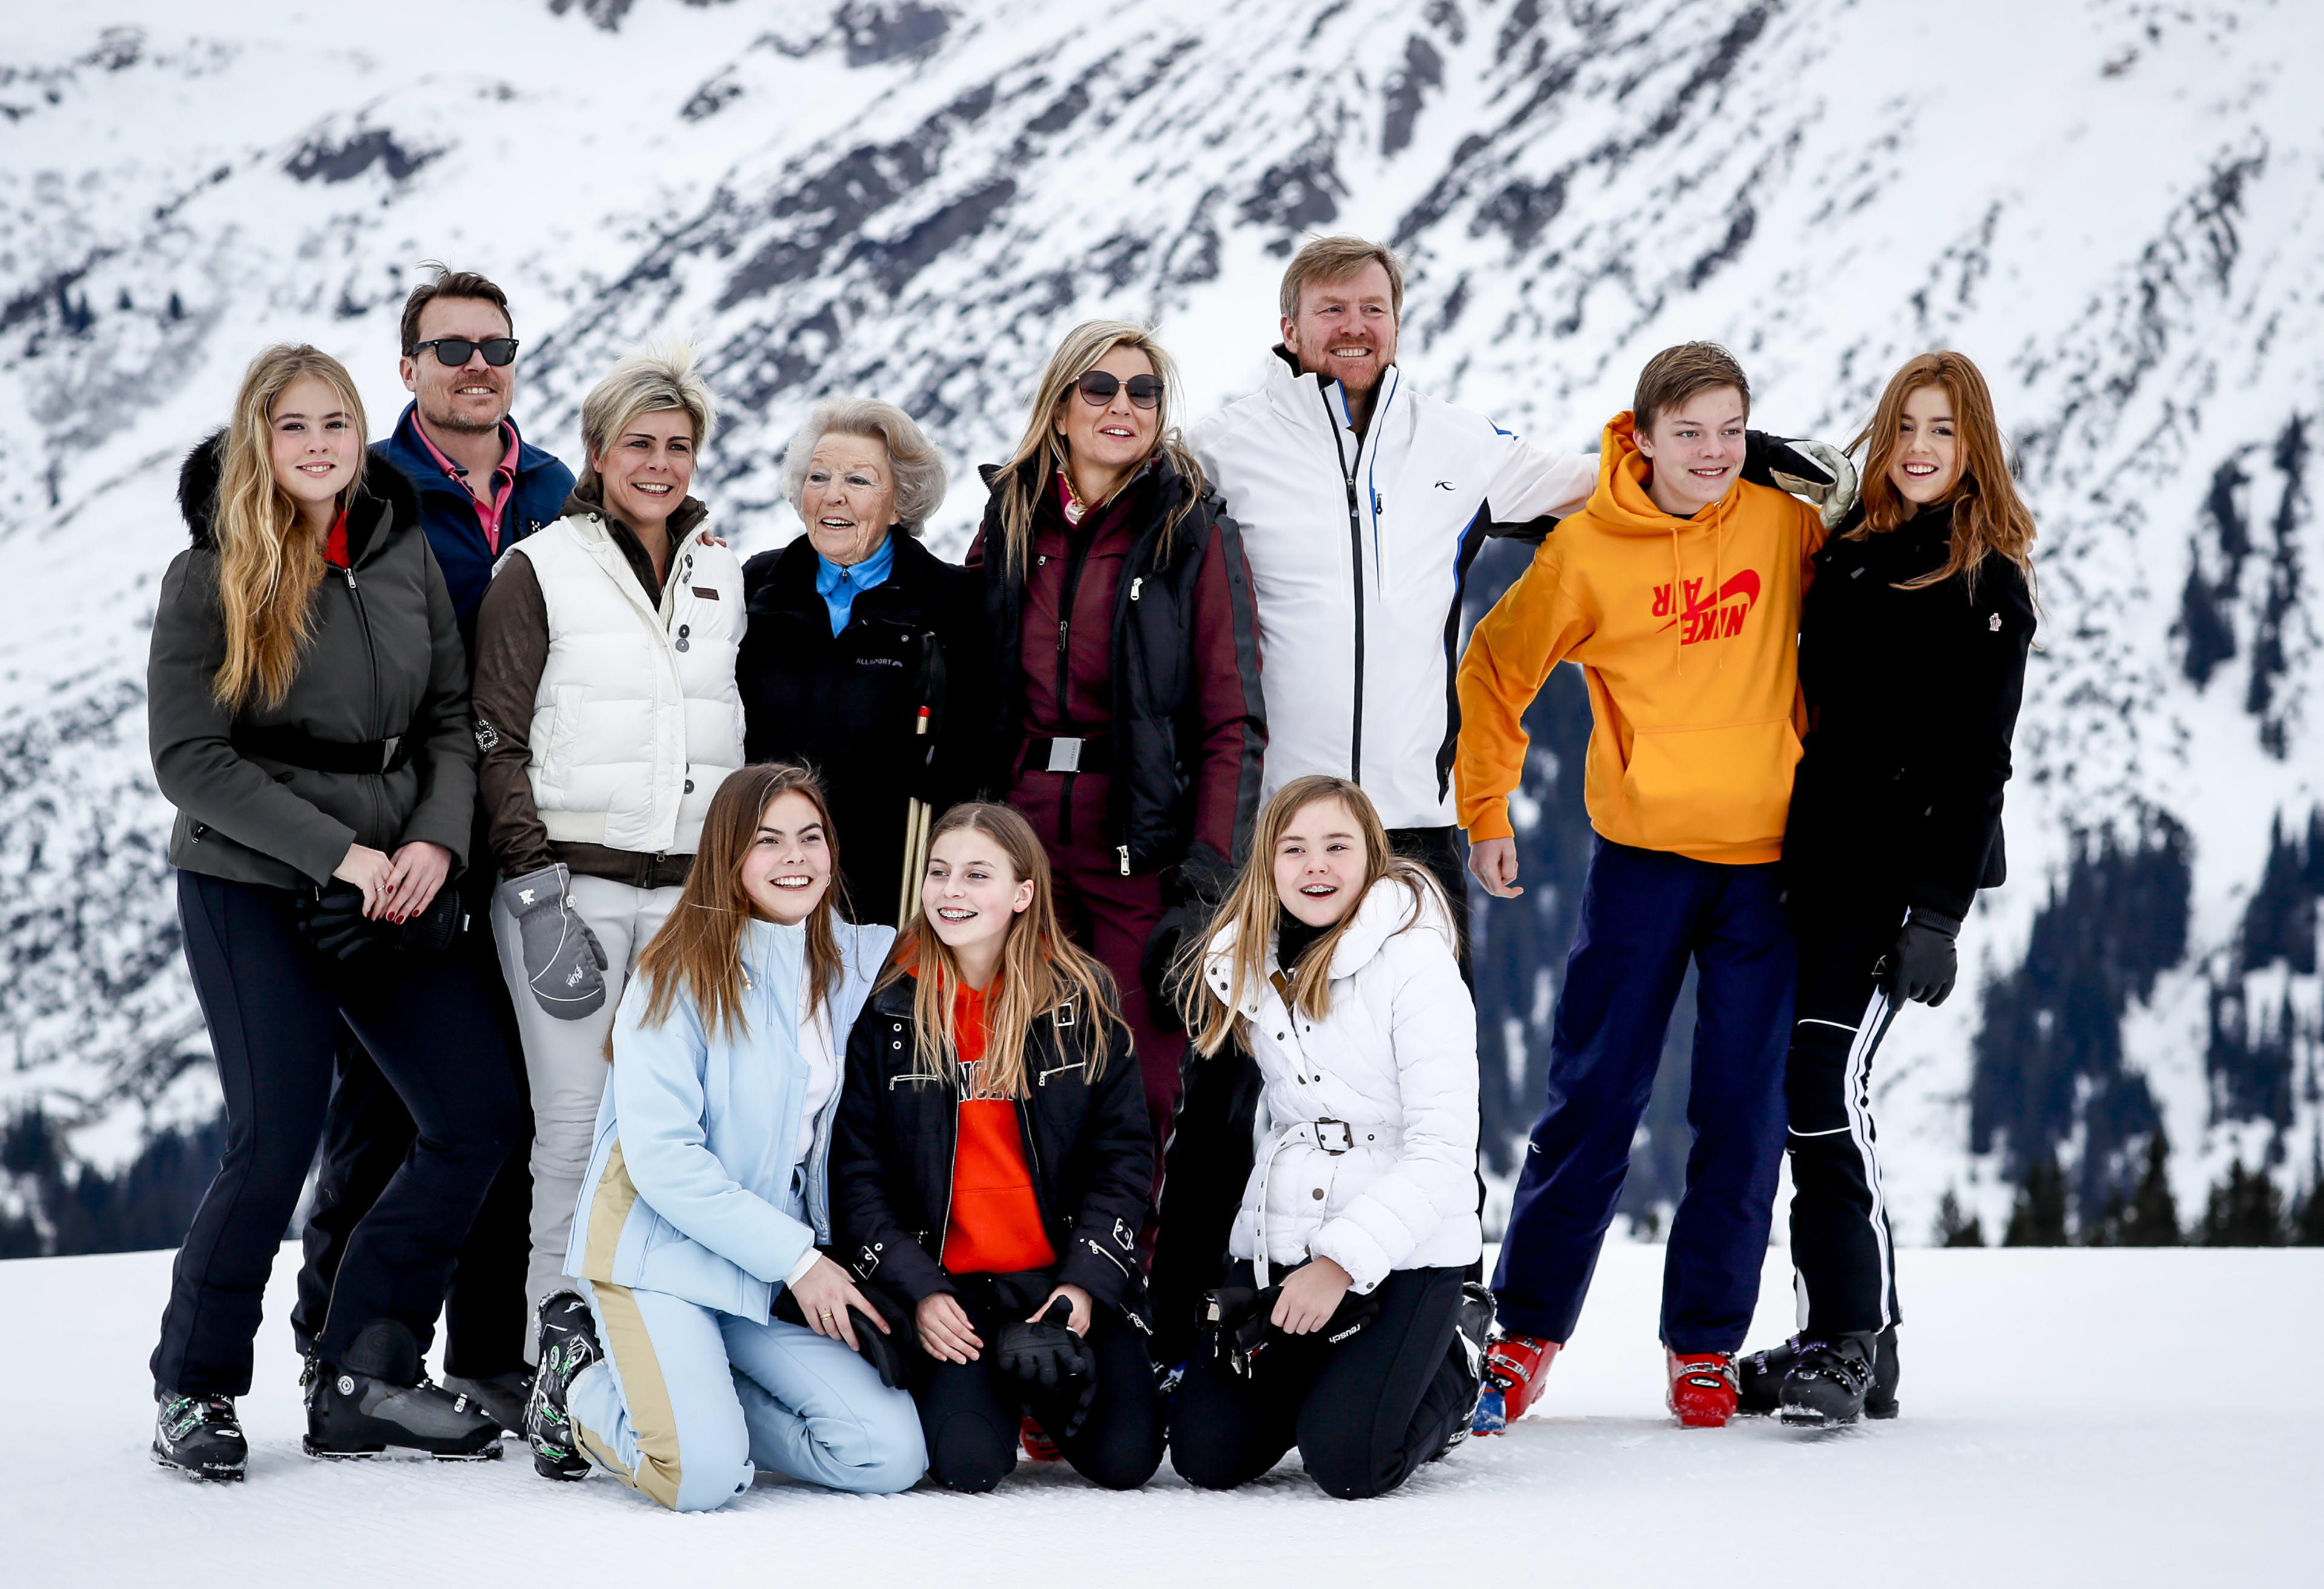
x,y
1687,631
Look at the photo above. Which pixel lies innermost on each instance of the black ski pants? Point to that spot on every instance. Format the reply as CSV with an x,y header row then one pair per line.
x,y
969,1412
1439,850
274,1009
1365,1414
1840,1246
367,1134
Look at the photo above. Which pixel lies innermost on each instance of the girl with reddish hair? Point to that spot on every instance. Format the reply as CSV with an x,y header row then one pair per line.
x,y
1912,644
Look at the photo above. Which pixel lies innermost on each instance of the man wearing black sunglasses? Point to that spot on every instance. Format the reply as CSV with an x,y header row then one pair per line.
x,y
482,489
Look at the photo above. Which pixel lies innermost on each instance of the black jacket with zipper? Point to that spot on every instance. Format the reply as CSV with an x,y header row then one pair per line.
x,y
1157,723
1087,1144
1912,699
848,704
384,660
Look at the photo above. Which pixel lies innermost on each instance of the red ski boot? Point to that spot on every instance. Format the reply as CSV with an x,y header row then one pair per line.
x,y
1514,1365
1702,1388
1036,1441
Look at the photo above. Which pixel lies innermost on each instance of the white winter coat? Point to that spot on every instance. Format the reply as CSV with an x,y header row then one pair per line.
x,y
1358,547
1395,1063
637,719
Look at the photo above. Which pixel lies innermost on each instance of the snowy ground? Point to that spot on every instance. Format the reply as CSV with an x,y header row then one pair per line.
x,y
2070,1418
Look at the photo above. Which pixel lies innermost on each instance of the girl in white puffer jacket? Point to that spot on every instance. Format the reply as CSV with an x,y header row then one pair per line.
x,y
1343,1326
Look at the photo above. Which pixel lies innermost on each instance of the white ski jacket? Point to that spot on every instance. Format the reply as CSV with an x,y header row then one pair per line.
x,y
1358,549
637,720
1368,1154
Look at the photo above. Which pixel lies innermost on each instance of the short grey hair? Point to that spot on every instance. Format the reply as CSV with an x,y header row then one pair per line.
x,y
912,457
644,384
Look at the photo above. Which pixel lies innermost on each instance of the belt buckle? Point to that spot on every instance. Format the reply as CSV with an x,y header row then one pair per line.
x,y
1325,1129
387,749
1065,755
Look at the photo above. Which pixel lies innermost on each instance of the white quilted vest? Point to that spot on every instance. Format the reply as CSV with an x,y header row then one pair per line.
x,y
637,720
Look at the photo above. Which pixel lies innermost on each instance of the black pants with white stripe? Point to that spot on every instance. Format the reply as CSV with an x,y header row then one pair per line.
x,y
1842,1252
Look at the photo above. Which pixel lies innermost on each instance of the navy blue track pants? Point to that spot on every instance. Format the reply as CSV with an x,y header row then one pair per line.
x,y
1645,913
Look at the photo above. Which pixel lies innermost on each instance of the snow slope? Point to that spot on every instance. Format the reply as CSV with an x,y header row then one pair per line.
x,y
2070,1417
2115,204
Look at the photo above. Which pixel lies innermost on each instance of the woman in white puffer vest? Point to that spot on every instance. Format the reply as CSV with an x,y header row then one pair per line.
x,y
1345,1325
606,716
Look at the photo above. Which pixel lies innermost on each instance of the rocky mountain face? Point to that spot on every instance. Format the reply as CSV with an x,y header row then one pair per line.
x,y
2113,206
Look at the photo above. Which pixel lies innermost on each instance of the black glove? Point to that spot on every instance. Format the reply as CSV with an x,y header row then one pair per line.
x,y
333,921
1924,964
1048,1354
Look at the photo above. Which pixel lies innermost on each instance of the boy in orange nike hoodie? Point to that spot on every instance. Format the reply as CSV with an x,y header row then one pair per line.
x,y
1677,590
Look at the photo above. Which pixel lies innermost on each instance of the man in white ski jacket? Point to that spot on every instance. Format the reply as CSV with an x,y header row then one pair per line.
x,y
1363,502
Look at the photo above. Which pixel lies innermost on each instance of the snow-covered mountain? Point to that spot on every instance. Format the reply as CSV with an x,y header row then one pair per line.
x,y
2116,206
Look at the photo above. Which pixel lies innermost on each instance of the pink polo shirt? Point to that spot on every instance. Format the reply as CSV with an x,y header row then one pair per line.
x,y
488,515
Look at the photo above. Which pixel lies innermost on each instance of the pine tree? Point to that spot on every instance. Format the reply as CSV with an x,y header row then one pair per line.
x,y
2151,1219
2245,1210
1956,1229
2039,1217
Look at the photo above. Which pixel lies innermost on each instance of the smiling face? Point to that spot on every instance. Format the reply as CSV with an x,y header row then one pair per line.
x,y
1113,436
1345,330
315,446
971,893
1927,463
849,498
1320,862
470,397
788,870
1697,450
648,467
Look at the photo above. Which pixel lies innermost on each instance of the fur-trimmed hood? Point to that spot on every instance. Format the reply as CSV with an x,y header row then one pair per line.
x,y
197,489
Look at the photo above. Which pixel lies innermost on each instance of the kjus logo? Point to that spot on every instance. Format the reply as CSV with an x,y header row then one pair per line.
x,y
1716,617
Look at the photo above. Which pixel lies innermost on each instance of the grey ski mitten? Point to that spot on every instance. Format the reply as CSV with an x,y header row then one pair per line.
x,y
563,963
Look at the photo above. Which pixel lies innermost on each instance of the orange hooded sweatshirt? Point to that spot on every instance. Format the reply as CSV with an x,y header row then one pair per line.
x,y
1687,631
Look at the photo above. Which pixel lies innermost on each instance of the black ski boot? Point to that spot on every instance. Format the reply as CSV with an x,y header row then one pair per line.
x,y
1828,1382
502,1396
568,1344
199,1434
1761,1376
1472,1329
376,1397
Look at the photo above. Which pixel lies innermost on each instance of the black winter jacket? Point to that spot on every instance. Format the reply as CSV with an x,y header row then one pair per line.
x,y
385,660
1158,727
848,705
1912,698
1087,1144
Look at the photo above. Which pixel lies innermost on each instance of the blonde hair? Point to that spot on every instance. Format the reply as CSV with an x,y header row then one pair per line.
x,y
1251,906
1041,454
912,457
1335,259
1041,970
267,572
650,382
699,948
1988,516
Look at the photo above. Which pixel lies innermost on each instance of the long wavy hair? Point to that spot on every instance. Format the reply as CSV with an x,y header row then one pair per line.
x,y
1041,452
699,949
1251,906
267,571
1989,517
1041,970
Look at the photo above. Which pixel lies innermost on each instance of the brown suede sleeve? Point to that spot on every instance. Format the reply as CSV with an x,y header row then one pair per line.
x,y
511,653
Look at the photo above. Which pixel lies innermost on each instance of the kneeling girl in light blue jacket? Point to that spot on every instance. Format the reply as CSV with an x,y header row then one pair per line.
x,y
672,1366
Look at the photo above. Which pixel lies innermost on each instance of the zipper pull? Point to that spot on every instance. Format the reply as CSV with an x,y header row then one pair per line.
x,y
1123,851
1062,625
1376,504
1134,584
350,573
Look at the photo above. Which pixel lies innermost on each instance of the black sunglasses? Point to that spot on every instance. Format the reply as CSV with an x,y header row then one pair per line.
x,y
456,351
1098,387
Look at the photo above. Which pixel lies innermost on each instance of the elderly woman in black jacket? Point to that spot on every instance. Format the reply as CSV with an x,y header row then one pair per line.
x,y
864,654
307,706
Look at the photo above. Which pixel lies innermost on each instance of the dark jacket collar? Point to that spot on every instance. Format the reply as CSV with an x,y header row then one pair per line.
x,y
407,450
788,584
1168,484
385,501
